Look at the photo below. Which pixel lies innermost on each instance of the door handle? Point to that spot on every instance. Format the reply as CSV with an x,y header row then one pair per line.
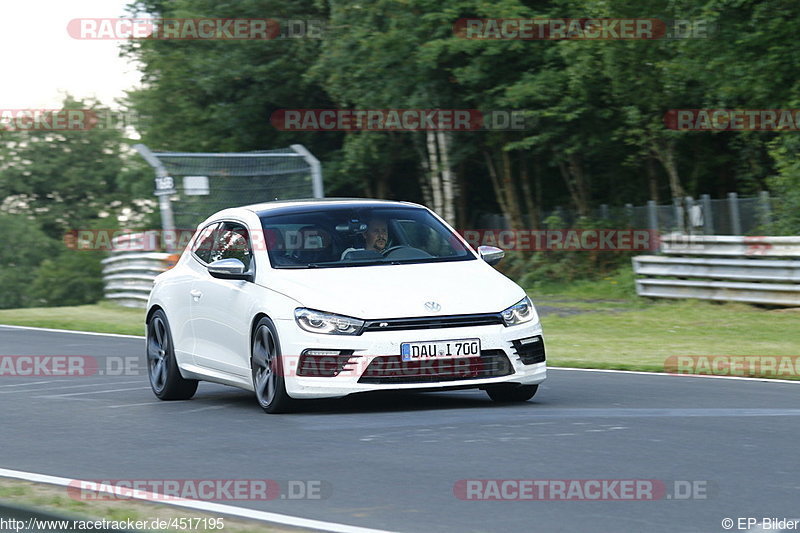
x,y
195,294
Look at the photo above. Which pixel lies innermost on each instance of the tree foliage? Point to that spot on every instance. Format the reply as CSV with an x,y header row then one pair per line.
x,y
595,109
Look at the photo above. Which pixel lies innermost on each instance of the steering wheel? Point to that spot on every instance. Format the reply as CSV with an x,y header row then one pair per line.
x,y
391,249
405,252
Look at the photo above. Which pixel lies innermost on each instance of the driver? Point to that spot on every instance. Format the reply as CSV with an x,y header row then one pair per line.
x,y
376,236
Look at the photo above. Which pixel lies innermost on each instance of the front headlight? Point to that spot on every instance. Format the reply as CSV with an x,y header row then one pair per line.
x,y
319,322
519,313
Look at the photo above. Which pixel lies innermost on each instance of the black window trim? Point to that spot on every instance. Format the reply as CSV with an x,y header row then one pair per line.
x,y
252,269
196,239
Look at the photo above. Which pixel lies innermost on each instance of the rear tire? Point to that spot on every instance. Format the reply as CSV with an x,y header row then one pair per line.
x,y
511,393
266,365
162,368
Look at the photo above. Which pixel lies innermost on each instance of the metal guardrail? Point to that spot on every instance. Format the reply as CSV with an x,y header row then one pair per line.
x,y
128,275
722,268
759,293
730,246
753,270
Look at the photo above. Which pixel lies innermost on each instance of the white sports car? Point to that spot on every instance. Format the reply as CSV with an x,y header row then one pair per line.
x,y
325,298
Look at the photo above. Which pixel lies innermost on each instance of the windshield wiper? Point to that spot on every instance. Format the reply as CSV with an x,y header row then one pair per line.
x,y
365,263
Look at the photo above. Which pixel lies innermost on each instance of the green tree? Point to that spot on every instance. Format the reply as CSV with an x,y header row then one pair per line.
x,y
69,179
55,182
25,247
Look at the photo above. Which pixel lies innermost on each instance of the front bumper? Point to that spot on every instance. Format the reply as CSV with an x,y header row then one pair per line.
x,y
370,346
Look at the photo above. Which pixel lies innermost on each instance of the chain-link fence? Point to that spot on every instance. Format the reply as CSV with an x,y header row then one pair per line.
x,y
729,216
192,186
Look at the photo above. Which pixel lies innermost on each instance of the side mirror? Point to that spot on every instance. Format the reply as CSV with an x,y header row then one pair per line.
x,y
230,268
490,254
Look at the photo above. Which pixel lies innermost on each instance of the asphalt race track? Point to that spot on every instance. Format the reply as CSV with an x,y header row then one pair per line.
x,y
391,461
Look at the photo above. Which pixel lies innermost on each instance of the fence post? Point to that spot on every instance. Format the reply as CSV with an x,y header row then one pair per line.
x,y
678,214
165,187
690,219
765,210
604,211
316,169
629,214
733,207
652,216
708,215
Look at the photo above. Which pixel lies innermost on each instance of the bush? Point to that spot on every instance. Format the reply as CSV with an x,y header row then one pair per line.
x,y
786,186
36,270
73,278
530,269
25,246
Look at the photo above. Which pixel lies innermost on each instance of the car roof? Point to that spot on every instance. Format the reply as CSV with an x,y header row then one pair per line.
x,y
283,207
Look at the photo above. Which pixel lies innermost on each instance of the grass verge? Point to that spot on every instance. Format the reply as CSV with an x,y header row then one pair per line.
x,y
643,338
52,498
103,317
606,325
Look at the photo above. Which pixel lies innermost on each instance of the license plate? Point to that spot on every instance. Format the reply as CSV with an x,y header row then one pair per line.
x,y
449,349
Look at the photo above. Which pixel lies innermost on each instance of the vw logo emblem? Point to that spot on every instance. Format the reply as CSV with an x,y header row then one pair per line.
x,y
433,307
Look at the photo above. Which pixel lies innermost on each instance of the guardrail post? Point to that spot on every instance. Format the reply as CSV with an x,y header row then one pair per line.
x,y
708,215
733,207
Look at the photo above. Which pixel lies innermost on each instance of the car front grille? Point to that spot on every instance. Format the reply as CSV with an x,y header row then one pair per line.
x,y
391,369
531,351
433,322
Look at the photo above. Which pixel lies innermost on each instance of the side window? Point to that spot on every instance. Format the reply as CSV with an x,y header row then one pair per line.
x,y
426,238
232,242
434,244
204,244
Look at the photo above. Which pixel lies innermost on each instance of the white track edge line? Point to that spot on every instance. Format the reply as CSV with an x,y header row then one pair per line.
x,y
231,510
120,335
639,372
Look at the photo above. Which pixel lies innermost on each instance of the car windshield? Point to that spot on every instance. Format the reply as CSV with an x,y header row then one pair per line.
x,y
337,236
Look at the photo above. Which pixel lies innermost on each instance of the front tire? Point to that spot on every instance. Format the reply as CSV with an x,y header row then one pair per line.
x,y
266,364
512,393
162,368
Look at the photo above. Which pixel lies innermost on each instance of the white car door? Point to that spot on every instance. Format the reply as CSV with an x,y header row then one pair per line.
x,y
220,307
177,293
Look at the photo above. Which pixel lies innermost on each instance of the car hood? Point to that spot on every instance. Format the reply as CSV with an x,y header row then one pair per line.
x,y
397,291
